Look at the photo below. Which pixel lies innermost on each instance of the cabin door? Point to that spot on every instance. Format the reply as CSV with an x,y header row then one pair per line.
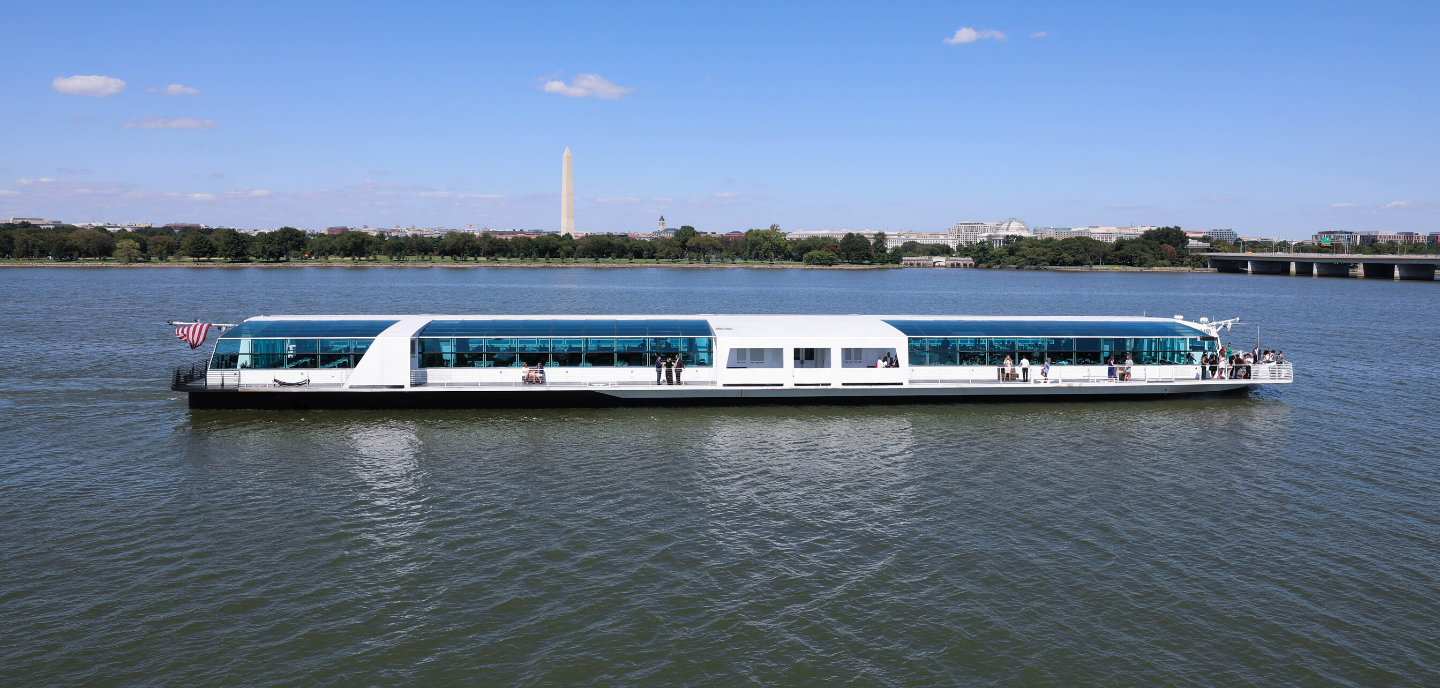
x,y
810,367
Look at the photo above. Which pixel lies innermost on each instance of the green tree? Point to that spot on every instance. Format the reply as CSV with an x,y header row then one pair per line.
x,y
161,246
703,246
855,248
765,244
267,246
395,248
821,258
231,245
197,245
290,240
457,245
684,235
127,251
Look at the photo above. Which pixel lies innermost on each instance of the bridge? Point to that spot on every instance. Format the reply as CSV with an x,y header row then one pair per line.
x,y
1405,267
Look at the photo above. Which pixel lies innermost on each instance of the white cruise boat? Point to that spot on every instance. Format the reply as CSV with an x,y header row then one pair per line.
x,y
506,361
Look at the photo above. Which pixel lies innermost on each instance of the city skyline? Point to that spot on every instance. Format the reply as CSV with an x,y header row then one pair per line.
x,y
1261,119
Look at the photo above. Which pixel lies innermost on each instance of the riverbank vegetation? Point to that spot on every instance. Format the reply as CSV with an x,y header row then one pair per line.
x,y
1164,247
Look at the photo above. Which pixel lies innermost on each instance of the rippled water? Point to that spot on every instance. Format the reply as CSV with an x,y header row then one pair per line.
x,y
1281,537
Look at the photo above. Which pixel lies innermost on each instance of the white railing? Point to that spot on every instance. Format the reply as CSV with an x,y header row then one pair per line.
x,y
991,375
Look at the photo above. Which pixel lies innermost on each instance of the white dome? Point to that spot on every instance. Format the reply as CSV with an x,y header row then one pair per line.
x,y
1013,226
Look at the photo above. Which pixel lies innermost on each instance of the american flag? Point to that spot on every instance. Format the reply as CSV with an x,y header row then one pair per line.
x,y
193,334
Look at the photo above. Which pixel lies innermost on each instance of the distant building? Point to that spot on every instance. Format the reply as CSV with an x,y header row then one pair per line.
x,y
661,231
179,226
337,230
1222,234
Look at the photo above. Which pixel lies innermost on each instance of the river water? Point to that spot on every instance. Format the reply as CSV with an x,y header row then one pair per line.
x,y
1285,537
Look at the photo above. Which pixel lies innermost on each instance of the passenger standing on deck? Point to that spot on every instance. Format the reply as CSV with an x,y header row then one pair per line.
x,y
1025,368
1279,356
1110,368
679,368
659,368
1045,370
669,372
1129,364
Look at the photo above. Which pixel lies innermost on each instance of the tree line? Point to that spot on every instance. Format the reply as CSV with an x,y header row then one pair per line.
x,y
1163,247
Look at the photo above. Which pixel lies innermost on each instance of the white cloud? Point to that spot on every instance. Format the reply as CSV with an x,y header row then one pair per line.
x,y
1342,205
434,194
727,194
247,192
175,90
7,192
201,197
969,35
148,122
483,196
1038,34
94,86
28,182
1396,204
586,85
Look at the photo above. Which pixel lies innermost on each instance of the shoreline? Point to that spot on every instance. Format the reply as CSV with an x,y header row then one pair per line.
x,y
487,264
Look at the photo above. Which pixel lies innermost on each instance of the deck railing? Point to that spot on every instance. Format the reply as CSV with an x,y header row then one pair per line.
x,y
990,375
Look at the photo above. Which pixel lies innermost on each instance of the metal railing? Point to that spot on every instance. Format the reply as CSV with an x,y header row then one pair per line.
x,y
990,375
189,376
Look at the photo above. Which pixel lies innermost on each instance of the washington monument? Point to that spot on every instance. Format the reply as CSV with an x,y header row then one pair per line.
x,y
567,196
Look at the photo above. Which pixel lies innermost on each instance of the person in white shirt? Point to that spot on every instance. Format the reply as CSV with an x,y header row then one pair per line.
x,y
1129,363
1025,368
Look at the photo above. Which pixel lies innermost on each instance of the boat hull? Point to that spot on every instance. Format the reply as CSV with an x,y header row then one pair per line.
x,y
611,397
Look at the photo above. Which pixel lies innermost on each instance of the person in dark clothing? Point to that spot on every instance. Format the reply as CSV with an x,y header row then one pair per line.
x,y
659,368
669,372
679,368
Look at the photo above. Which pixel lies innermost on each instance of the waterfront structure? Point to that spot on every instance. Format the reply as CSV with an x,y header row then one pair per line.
x,y
1222,234
567,195
937,262
1405,267
415,361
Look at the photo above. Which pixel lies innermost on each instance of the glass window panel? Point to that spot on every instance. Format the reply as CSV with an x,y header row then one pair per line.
x,y
470,359
700,359
348,361
703,344
631,328
267,346
533,358
532,345
301,360
502,346
632,344
337,346
694,328
302,346
568,328
599,328
600,345
970,357
998,357
470,344
575,344
504,328
566,359
1065,344
632,358
225,361
599,359
360,346
227,346
665,343
501,360
427,346
969,343
1088,358
1001,344
536,328
268,360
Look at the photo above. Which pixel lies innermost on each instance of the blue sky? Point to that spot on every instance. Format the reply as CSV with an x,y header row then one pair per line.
x,y
1277,119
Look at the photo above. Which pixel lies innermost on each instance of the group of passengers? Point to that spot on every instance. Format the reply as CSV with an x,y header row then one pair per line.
x,y
1232,364
670,369
887,361
533,375
1121,373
